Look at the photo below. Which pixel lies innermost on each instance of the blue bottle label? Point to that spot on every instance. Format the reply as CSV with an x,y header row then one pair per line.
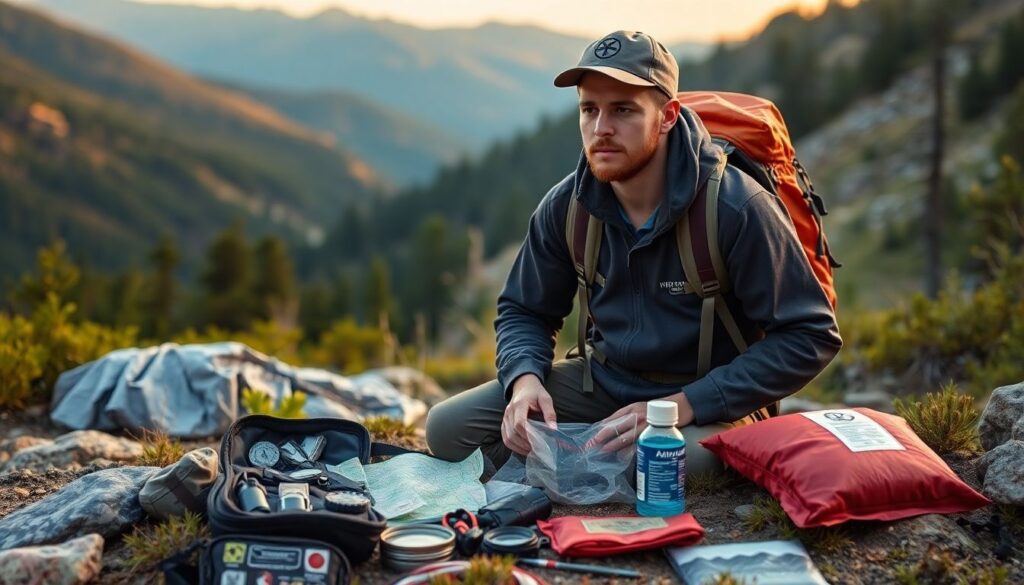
x,y
660,473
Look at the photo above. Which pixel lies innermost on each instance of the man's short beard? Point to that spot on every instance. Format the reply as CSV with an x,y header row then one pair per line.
x,y
634,163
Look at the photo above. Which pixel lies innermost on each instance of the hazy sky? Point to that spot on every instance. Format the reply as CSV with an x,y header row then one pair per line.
x,y
667,20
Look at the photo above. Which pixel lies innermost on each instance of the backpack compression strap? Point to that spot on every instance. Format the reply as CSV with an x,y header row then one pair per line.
x,y
697,240
583,233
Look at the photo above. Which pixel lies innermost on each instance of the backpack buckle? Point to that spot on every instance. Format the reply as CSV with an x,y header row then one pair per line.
x,y
711,287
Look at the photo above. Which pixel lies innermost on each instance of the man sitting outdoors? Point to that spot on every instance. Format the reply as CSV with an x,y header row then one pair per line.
x,y
645,158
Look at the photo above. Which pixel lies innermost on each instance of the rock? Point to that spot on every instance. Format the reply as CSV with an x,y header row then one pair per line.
x,y
11,446
1002,471
74,449
876,399
71,563
412,382
21,492
105,502
935,528
1004,410
743,512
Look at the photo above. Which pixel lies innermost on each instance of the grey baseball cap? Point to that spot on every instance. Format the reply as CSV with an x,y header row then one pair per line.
x,y
630,57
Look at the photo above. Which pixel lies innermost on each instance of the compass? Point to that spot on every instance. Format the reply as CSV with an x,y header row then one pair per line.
x,y
264,454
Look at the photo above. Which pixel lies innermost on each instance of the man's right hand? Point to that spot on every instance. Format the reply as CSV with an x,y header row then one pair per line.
x,y
528,395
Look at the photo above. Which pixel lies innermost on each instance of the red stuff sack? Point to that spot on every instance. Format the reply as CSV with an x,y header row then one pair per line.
x,y
830,466
598,536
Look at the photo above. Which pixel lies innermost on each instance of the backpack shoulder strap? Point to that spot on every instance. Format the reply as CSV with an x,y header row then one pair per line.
x,y
583,235
704,268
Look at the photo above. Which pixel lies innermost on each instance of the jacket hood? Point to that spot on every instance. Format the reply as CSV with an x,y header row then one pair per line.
x,y
692,157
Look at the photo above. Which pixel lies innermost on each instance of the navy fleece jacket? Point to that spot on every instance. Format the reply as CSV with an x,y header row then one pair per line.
x,y
643,322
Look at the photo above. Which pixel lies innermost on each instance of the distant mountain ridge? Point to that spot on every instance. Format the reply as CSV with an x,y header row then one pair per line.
x,y
404,149
477,84
108,149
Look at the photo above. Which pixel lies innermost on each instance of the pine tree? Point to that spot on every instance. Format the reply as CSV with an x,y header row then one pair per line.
x,y
227,302
127,295
314,309
1010,68
341,303
163,288
55,275
428,285
274,281
1009,142
378,302
976,90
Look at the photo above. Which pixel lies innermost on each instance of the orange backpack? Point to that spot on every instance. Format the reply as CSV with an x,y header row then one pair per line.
x,y
754,138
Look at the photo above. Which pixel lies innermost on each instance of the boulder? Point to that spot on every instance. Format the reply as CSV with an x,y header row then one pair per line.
x,y
11,446
744,511
1002,472
938,528
1005,409
74,562
75,449
412,382
104,502
879,400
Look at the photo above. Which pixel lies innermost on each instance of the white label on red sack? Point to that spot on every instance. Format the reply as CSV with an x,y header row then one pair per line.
x,y
622,525
857,431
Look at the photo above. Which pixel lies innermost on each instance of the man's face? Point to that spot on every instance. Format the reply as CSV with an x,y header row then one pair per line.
x,y
620,125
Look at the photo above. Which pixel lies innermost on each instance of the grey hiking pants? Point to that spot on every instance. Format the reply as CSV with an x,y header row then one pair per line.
x,y
472,419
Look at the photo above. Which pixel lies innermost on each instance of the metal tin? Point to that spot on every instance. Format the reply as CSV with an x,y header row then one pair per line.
x,y
347,502
409,546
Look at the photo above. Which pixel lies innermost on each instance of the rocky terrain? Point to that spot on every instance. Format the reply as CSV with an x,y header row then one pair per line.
x,y
37,459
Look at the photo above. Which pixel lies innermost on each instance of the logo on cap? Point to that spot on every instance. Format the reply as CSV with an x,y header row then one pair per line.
x,y
607,48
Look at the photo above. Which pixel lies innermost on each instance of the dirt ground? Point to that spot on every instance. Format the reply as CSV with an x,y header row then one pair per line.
x,y
863,553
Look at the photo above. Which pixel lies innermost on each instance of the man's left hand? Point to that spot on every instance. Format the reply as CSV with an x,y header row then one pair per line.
x,y
615,437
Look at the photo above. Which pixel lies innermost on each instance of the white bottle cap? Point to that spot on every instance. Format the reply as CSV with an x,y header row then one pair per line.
x,y
662,413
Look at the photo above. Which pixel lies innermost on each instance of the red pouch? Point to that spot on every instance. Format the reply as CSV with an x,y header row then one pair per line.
x,y
598,536
830,466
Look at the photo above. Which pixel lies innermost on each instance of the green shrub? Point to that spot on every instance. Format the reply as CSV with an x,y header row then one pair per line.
x,y
291,406
34,351
21,362
946,421
351,348
68,344
969,336
268,337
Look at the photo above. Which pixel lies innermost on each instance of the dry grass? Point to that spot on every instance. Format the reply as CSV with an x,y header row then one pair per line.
x,y
159,450
148,545
938,567
388,430
768,513
483,570
725,579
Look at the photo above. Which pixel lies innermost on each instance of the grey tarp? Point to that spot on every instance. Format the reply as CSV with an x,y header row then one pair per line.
x,y
195,390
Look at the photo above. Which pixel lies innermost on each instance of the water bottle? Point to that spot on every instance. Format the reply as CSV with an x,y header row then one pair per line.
x,y
660,462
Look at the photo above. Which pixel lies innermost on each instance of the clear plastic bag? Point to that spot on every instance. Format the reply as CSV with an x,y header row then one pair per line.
x,y
571,466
